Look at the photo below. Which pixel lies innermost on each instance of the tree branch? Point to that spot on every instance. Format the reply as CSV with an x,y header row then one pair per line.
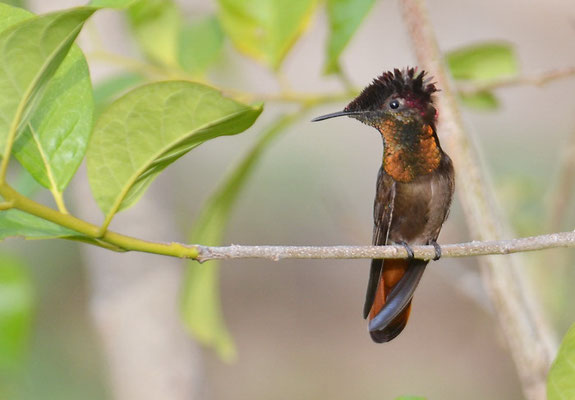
x,y
533,80
564,183
528,336
118,242
276,253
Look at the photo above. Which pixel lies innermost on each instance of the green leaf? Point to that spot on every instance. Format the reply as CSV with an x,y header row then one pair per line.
x,y
484,101
201,305
156,25
16,305
25,184
202,310
32,51
561,378
11,14
344,17
109,89
152,126
53,143
18,223
111,3
200,43
483,62
15,3
265,30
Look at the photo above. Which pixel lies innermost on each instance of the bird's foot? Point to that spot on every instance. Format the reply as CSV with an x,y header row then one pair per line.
x,y
410,254
437,250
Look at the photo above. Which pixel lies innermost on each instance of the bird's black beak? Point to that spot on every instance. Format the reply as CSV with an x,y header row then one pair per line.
x,y
337,114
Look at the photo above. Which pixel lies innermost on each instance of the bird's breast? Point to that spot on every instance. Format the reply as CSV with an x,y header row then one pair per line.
x,y
420,207
410,154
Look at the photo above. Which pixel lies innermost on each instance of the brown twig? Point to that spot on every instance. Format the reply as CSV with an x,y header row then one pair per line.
x,y
528,335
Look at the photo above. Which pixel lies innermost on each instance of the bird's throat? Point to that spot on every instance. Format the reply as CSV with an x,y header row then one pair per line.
x,y
410,152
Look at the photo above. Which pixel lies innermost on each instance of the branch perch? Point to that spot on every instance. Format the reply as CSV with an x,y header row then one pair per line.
x,y
122,243
540,79
528,335
475,248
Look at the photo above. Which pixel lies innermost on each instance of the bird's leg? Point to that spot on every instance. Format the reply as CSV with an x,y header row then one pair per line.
x,y
437,250
410,254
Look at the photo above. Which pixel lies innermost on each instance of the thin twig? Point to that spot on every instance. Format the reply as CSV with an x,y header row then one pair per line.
x,y
276,253
286,95
522,80
563,186
528,335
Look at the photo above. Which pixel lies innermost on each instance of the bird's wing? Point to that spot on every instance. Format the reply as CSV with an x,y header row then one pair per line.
x,y
382,215
416,212
401,213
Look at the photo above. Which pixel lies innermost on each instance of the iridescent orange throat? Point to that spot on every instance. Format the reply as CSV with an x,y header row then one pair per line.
x,y
411,150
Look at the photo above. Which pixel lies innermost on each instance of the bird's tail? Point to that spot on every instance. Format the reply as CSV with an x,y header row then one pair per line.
x,y
388,300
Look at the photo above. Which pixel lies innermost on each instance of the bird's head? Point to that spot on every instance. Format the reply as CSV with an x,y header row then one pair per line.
x,y
399,105
401,97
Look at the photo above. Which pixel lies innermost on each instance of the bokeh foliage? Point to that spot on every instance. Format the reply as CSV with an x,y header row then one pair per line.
x,y
131,127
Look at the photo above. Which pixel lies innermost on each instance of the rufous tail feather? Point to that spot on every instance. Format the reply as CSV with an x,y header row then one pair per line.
x,y
392,299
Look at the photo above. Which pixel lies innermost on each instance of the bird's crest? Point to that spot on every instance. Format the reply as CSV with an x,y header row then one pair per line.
x,y
415,87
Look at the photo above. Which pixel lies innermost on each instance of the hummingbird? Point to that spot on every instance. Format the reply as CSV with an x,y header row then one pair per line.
x,y
414,188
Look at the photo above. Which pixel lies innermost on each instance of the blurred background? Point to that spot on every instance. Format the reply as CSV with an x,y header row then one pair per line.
x,y
297,323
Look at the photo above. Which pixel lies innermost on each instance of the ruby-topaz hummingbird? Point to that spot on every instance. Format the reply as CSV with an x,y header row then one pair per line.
x,y
414,189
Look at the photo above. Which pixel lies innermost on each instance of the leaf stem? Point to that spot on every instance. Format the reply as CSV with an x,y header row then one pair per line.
x,y
59,199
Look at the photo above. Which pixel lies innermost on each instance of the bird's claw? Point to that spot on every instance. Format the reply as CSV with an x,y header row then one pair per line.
x,y
410,254
437,250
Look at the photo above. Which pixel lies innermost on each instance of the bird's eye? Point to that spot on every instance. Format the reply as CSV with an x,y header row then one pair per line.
x,y
394,104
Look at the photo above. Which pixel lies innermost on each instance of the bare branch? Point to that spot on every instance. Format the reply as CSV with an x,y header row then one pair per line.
x,y
533,80
276,253
528,335
560,196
